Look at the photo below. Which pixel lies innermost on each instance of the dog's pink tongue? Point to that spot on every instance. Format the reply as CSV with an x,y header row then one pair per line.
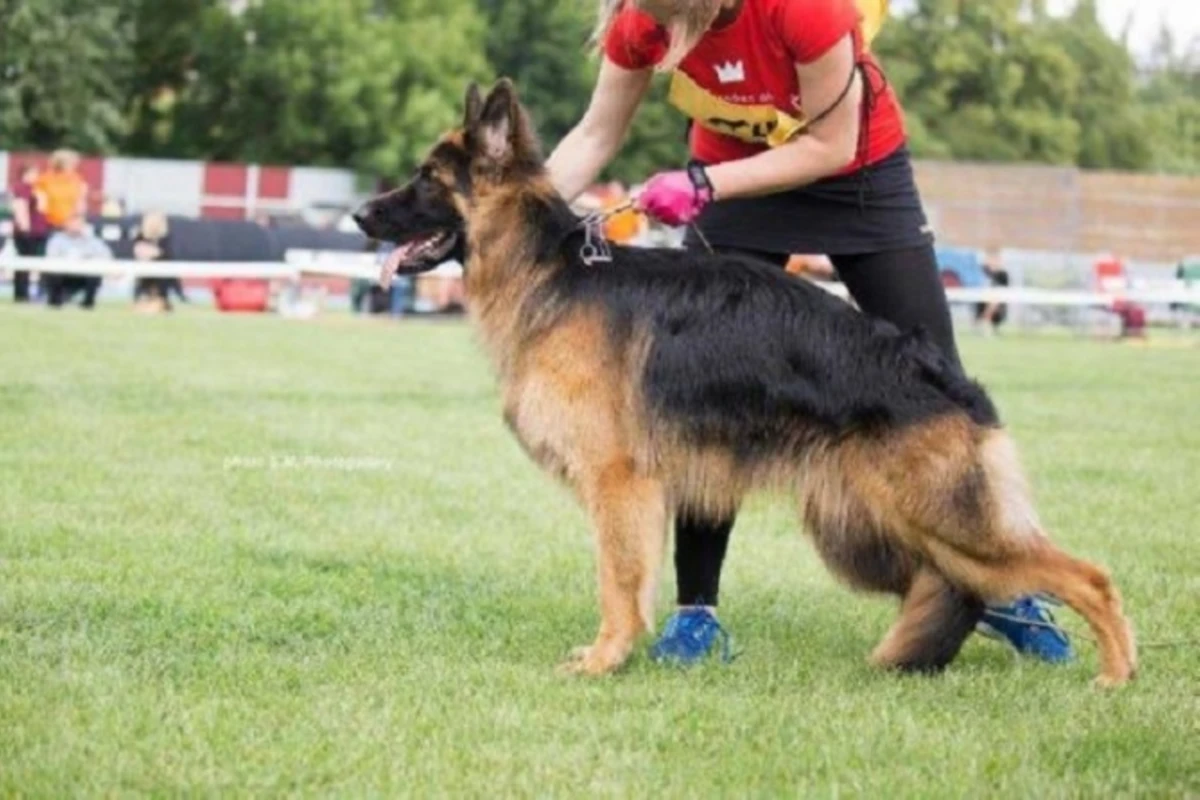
x,y
392,263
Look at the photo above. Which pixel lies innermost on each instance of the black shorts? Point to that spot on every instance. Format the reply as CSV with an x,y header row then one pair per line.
x,y
874,210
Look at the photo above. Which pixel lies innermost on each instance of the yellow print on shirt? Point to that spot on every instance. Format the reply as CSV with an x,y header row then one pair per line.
x,y
754,123
760,123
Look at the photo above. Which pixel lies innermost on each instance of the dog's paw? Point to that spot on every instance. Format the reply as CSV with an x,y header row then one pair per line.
x,y
1112,681
576,657
574,662
593,660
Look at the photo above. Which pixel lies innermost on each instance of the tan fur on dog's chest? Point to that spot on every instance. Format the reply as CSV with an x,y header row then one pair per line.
x,y
567,399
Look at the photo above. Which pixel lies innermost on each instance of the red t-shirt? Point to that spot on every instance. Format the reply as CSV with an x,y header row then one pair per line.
x,y
752,61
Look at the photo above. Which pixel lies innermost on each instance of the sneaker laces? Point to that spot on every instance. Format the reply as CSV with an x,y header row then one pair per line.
x,y
689,624
727,654
1037,604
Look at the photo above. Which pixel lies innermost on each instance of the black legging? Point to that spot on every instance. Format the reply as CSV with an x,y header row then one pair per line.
x,y
901,286
29,246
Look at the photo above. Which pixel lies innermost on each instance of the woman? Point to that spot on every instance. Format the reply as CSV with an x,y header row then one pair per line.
x,y
30,227
798,146
64,189
990,316
64,195
153,243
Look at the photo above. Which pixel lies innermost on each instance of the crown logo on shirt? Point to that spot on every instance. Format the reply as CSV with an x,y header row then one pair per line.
x,y
730,71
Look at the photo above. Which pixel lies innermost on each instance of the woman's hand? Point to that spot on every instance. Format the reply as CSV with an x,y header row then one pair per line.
x,y
674,198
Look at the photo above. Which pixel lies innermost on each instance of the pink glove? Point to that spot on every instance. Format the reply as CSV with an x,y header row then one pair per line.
x,y
674,198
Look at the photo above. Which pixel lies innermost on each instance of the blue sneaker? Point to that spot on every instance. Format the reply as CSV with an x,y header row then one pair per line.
x,y
689,637
1030,628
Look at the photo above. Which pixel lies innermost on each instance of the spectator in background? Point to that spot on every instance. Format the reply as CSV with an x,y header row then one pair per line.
x,y
153,243
404,287
112,207
31,228
990,316
64,192
367,296
75,241
63,188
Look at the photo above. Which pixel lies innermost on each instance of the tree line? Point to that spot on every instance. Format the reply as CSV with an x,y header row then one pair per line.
x,y
368,84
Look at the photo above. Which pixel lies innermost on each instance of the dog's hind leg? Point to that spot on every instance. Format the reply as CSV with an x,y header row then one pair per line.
x,y
628,513
1090,592
1043,568
988,540
935,619
935,616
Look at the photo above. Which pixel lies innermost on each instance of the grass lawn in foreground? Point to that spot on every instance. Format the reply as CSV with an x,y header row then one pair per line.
x,y
241,555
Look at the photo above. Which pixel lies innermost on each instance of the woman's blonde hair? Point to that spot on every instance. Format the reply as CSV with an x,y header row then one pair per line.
x,y
154,225
686,22
64,159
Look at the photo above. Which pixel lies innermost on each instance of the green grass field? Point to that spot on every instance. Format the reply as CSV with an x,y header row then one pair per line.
x,y
201,594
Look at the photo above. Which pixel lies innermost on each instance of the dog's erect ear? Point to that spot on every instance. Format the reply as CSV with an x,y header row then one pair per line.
x,y
499,122
473,106
500,134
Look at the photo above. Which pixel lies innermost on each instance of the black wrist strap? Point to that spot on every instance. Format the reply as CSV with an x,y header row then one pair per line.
x,y
699,178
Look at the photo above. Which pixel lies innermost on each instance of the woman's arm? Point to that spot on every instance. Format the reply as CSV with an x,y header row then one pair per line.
x,y
825,148
22,214
593,143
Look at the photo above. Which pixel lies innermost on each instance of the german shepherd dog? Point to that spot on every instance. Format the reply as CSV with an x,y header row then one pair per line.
x,y
666,380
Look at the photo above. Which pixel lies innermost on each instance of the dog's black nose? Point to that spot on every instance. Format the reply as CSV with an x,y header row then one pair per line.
x,y
362,215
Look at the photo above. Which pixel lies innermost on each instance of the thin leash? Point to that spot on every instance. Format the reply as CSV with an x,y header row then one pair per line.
x,y
1160,644
596,248
1054,626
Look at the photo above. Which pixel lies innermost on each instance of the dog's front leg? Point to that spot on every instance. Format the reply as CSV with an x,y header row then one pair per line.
x,y
628,514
